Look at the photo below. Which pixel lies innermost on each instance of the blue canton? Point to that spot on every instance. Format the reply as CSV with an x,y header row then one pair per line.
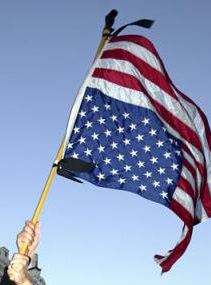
x,y
129,145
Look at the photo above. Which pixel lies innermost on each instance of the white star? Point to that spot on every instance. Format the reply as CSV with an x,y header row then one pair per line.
x,y
121,180
135,177
169,181
107,133
174,166
114,118
127,168
132,126
101,121
101,148
100,176
114,145
164,194
126,142
82,140
76,130
154,160
156,183
107,161
145,121
171,140
88,152
178,152
70,145
82,114
120,130
148,174
88,98
88,124
153,132
114,171
95,109
95,136
133,153
120,157
164,129
143,187
126,115
161,170
75,155
140,164
159,143
146,148
167,154
140,138
107,106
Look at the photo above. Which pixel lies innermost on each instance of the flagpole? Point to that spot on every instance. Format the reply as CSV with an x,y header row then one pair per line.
x,y
109,20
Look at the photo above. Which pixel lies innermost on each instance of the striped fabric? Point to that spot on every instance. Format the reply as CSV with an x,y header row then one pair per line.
x,y
130,70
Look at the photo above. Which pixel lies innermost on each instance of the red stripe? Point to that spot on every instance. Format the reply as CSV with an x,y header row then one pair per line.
x,y
187,164
136,39
144,42
198,165
180,248
180,211
187,188
201,113
203,116
192,171
147,70
206,198
132,82
176,253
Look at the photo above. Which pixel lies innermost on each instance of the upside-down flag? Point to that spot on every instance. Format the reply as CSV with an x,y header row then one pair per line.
x,y
142,135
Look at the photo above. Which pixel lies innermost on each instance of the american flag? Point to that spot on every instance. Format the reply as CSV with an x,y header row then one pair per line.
x,y
143,134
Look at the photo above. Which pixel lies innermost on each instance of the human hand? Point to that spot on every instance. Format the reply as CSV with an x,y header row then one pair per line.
x,y
30,235
17,269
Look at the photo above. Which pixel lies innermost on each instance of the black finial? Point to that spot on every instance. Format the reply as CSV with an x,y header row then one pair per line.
x,y
110,18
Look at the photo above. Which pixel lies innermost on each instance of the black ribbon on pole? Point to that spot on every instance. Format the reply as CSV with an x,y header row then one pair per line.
x,y
144,23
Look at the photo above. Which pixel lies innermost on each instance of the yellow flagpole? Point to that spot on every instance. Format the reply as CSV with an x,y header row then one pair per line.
x,y
24,248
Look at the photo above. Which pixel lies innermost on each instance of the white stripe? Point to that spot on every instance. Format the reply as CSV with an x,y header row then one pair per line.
x,y
189,159
204,216
196,117
183,236
77,103
184,199
137,50
137,98
200,211
192,162
158,94
189,177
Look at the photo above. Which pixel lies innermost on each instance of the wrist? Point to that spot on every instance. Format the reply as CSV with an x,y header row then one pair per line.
x,y
27,282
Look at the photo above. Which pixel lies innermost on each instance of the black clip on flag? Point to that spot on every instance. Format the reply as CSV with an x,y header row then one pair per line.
x,y
67,167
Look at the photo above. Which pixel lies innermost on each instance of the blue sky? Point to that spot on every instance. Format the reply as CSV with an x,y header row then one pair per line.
x,y
90,235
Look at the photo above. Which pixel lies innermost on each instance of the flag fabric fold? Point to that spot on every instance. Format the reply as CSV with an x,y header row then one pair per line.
x,y
142,135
